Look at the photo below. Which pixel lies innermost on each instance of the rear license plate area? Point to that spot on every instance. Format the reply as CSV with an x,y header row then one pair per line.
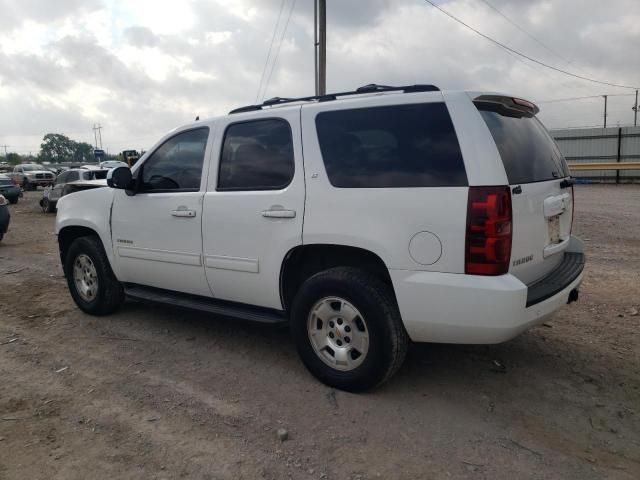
x,y
554,229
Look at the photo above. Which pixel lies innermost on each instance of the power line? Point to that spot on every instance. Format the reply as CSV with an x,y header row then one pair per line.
x,y
502,45
266,62
275,58
585,97
530,35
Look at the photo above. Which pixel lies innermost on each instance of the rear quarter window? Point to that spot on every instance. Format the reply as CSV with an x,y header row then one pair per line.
x,y
392,146
528,152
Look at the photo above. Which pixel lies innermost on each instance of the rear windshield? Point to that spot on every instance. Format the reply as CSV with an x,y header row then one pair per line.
x,y
392,146
528,152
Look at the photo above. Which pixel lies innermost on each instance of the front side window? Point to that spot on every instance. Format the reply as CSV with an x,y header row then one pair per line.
x,y
257,155
176,164
392,146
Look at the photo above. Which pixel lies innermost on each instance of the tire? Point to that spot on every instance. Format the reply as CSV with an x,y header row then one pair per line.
x,y
26,185
104,294
13,201
47,206
363,296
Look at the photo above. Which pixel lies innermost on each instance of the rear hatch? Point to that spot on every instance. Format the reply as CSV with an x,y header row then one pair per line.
x,y
542,195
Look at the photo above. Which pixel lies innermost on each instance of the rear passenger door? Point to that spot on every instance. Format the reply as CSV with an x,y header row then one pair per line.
x,y
254,205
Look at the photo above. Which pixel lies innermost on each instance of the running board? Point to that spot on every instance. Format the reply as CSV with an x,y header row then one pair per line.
x,y
205,304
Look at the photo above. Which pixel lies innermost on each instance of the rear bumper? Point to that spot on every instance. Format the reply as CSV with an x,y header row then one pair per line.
x,y
456,308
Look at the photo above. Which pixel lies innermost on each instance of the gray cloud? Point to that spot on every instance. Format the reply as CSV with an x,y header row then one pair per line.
x,y
218,61
14,13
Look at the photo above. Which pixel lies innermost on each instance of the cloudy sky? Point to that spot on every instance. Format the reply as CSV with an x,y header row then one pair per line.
x,y
142,67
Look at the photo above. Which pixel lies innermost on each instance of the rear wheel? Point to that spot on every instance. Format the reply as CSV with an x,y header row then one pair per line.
x,y
92,284
13,200
348,329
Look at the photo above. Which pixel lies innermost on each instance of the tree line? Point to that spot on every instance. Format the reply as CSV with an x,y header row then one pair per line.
x,y
55,148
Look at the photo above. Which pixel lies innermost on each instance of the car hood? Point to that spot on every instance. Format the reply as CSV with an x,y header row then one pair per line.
x,y
94,183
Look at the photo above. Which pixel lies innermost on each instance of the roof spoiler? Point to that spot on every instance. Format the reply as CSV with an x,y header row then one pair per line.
x,y
515,107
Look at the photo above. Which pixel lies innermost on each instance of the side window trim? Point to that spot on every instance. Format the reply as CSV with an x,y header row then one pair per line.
x,y
140,170
255,189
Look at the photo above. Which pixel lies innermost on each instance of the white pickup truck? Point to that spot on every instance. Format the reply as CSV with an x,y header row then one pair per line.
x,y
31,175
363,219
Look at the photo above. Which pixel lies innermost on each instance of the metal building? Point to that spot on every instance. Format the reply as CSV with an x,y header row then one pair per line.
x,y
600,145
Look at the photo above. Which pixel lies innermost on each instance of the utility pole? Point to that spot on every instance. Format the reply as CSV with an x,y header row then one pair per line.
x,y
635,111
320,45
5,151
605,110
97,134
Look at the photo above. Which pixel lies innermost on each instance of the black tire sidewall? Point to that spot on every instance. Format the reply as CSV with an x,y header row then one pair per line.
x,y
91,247
360,295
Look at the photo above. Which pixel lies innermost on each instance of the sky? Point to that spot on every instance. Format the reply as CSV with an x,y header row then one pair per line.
x,y
142,67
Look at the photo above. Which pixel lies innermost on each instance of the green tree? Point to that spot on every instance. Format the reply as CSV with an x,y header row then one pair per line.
x,y
82,152
56,148
14,158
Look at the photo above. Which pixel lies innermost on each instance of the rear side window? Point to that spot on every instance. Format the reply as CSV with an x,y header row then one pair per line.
x,y
257,155
395,146
528,152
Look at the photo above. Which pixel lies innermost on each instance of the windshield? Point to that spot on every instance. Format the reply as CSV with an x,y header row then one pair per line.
x,y
528,152
32,167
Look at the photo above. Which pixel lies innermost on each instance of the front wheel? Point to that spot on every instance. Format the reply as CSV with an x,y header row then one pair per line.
x,y
347,329
13,200
92,284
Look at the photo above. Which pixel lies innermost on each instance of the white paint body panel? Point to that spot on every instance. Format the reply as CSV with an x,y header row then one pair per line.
x,y
243,248
381,220
152,246
90,209
230,250
453,308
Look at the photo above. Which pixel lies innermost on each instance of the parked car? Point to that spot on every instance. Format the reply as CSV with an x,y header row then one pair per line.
x,y
5,216
70,181
9,189
428,216
32,175
113,164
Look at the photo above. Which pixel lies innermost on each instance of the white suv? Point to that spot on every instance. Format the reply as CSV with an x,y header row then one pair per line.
x,y
363,219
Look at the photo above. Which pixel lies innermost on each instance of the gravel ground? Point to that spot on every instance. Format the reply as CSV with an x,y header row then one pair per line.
x,y
156,392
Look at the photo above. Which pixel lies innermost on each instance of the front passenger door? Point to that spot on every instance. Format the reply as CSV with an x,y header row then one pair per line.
x,y
157,237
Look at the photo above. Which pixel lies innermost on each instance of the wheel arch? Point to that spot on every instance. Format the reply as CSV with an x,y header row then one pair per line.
x,y
304,261
69,233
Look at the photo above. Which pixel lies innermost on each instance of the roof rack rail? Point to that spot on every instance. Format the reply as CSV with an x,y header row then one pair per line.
x,y
371,88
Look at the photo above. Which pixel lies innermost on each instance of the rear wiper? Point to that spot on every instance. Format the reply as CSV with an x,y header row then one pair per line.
x,y
567,182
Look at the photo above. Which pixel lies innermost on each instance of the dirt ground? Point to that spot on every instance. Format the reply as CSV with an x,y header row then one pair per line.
x,y
157,392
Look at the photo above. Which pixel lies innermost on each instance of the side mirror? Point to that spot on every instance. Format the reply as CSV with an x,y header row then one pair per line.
x,y
120,178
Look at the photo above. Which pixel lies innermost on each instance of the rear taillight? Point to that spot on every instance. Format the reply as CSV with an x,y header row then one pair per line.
x,y
488,242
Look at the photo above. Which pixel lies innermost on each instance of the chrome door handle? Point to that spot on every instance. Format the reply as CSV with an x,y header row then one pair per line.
x,y
184,213
279,213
